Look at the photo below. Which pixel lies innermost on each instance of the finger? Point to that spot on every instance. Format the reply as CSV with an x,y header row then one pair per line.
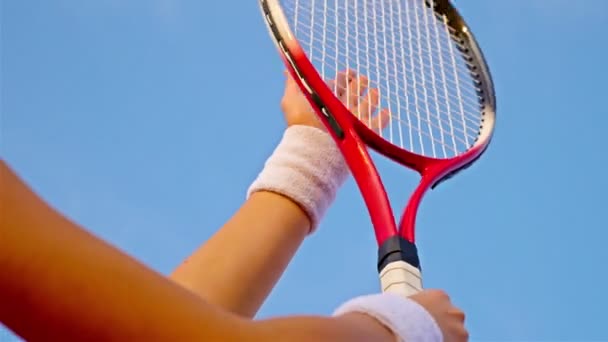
x,y
356,88
342,80
331,84
368,105
363,84
457,333
440,294
380,121
287,75
289,81
457,314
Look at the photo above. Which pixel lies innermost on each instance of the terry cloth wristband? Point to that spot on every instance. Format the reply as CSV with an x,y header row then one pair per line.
x,y
408,320
306,167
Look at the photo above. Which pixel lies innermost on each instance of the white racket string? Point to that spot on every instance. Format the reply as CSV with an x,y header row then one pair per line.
x,y
407,52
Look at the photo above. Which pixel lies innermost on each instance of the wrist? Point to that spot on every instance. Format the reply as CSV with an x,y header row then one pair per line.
x,y
407,319
306,167
369,326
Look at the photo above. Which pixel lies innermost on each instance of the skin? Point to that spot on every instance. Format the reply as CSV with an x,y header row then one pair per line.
x,y
280,226
59,282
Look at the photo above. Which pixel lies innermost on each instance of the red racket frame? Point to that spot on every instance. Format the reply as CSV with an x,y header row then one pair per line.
x,y
356,136
353,137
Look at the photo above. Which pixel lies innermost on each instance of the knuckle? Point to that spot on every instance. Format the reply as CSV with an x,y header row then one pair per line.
x,y
458,334
458,314
441,294
464,335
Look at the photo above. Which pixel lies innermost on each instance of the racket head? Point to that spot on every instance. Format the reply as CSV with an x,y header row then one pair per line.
x,y
420,54
405,41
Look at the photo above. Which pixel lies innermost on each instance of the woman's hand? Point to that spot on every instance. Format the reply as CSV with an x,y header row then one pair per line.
x,y
352,89
449,318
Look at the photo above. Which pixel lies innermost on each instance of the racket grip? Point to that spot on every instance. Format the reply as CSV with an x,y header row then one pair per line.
x,y
401,278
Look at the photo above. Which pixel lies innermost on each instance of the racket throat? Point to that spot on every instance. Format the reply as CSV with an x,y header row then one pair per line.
x,y
399,267
397,248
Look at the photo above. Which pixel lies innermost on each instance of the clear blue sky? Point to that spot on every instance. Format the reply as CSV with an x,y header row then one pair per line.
x,y
146,120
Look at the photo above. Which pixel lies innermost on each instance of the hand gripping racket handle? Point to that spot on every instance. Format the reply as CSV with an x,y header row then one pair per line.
x,y
399,267
401,278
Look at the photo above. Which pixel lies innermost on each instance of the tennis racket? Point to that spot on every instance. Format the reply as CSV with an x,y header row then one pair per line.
x,y
426,91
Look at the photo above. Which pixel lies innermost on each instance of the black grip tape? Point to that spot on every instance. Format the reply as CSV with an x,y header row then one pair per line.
x,y
397,248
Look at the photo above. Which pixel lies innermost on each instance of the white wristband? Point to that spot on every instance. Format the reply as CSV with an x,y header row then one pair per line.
x,y
403,316
306,167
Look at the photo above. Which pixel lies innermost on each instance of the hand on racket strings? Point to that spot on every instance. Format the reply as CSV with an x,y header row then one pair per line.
x,y
352,89
307,166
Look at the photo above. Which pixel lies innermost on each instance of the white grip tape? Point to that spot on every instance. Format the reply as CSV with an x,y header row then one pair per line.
x,y
401,278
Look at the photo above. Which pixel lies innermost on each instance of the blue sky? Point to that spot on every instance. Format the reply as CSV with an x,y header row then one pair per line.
x,y
145,121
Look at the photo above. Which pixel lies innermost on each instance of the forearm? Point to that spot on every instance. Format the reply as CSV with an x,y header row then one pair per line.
x,y
59,282
352,327
238,267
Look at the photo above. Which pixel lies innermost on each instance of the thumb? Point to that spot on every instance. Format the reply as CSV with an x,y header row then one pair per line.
x,y
289,81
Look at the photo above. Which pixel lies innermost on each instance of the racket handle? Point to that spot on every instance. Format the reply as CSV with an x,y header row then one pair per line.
x,y
401,278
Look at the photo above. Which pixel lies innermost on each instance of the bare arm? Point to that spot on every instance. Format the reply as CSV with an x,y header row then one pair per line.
x,y
59,282
238,267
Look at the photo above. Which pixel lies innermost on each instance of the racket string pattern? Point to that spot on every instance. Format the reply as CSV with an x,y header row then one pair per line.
x,y
410,54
